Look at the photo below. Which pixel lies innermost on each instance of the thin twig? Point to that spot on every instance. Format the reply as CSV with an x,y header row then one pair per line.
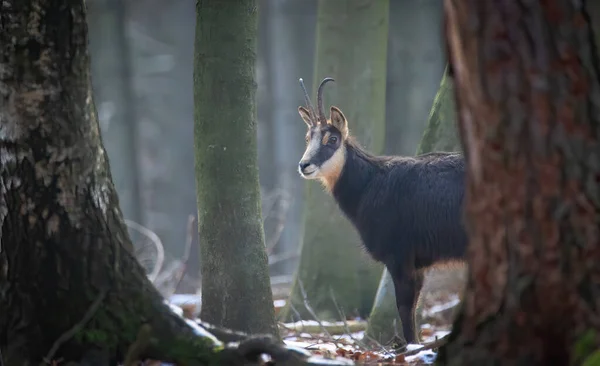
x,y
310,309
77,327
187,250
160,251
343,317
435,344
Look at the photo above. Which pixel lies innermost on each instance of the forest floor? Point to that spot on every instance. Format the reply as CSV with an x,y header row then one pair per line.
x,y
345,338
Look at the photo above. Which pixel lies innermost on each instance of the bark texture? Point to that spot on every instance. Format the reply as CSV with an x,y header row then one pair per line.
x,y
236,290
351,48
528,92
64,251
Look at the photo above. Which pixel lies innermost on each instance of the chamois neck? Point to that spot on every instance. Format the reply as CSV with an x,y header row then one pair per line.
x,y
360,167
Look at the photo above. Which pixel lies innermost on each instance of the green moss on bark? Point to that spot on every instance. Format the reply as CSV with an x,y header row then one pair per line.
x,y
441,133
351,48
236,291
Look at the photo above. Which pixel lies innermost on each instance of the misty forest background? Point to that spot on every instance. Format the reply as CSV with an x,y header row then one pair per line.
x,y
142,62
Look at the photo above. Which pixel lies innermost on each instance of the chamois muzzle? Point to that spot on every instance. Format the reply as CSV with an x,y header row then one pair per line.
x,y
306,168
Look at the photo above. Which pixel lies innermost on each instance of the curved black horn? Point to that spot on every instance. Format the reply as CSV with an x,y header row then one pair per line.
x,y
313,115
322,117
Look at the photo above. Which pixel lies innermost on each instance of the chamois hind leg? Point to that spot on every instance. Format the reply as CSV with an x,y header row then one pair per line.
x,y
407,285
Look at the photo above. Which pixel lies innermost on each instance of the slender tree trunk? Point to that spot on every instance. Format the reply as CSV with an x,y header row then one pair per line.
x,y
236,291
351,48
527,85
65,255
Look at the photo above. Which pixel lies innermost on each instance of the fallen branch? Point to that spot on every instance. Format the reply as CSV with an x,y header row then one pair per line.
x,y
337,328
431,345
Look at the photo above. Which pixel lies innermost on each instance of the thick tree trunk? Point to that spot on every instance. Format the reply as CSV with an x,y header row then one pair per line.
x,y
63,244
351,48
527,84
236,291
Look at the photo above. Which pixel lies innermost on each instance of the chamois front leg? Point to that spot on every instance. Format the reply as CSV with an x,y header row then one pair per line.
x,y
407,286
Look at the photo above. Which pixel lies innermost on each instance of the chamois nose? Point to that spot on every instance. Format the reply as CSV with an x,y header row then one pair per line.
x,y
303,165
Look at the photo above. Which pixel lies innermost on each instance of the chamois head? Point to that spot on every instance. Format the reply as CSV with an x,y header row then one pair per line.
x,y
325,149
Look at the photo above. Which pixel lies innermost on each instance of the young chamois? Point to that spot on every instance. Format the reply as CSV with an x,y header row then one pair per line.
x,y
407,210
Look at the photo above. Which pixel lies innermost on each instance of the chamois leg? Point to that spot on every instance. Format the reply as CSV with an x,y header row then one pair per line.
x,y
407,285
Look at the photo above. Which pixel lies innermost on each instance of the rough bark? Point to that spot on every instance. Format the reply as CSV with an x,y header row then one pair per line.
x,y
527,84
236,291
351,48
440,135
63,244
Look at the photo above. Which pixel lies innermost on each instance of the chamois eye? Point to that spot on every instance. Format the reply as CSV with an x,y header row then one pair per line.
x,y
333,140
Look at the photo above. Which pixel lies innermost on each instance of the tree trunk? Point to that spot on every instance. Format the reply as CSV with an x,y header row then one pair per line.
x,y
527,84
63,244
440,135
235,278
351,48
415,64
162,54
292,27
441,132
114,96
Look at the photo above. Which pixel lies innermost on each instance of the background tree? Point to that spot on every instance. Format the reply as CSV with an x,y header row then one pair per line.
x,y
66,268
527,84
233,262
415,64
440,135
115,100
351,48
289,52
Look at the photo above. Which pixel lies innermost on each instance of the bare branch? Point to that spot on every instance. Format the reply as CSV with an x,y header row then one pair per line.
x,y
76,328
160,251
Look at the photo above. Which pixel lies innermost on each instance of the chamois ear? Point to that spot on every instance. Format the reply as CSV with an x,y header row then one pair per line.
x,y
305,114
338,120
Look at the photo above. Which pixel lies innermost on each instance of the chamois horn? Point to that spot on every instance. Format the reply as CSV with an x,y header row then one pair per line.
x,y
311,109
322,117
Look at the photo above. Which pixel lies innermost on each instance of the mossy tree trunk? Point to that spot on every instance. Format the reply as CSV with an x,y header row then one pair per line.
x,y
351,48
440,135
236,291
65,254
527,85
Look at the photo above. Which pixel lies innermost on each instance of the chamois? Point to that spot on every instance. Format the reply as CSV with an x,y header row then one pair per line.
x,y
407,210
